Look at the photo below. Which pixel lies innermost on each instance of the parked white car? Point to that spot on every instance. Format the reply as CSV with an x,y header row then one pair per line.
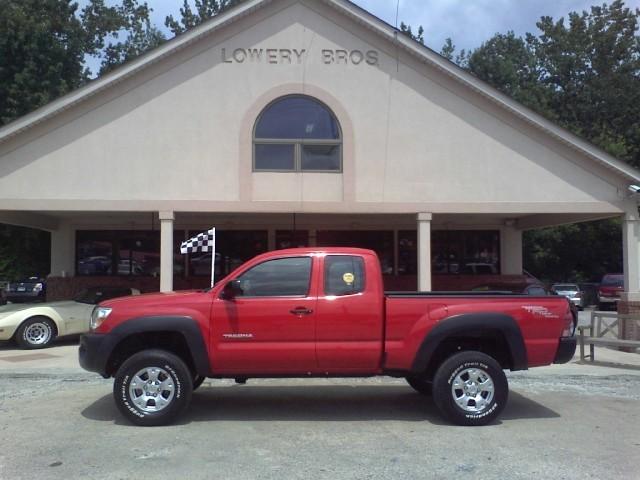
x,y
37,326
570,290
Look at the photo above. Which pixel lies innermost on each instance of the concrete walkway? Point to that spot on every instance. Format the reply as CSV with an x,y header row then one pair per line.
x,y
63,358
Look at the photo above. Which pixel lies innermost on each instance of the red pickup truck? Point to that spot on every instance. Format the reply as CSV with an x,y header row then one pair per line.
x,y
322,313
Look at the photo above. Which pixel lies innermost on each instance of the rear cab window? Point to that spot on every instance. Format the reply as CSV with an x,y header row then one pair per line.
x,y
343,275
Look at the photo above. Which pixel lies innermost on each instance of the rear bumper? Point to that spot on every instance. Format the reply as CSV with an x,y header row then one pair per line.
x,y
566,349
602,299
94,352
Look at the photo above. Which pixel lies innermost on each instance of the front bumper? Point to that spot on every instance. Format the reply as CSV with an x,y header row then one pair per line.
x,y
566,349
95,351
6,333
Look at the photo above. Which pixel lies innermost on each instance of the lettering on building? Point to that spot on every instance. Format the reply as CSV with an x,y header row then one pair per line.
x,y
288,56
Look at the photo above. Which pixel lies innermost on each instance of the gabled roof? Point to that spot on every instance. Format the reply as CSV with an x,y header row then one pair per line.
x,y
357,14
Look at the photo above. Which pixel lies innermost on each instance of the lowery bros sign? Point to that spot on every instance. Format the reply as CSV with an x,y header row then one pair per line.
x,y
293,55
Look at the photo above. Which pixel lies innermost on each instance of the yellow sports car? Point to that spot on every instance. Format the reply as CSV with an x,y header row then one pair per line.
x,y
38,325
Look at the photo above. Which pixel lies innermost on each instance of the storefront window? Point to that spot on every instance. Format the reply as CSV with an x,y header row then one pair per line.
x,y
94,252
292,239
407,252
124,252
233,248
138,253
467,252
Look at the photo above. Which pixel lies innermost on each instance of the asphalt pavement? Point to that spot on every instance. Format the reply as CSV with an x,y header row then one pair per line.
x,y
572,421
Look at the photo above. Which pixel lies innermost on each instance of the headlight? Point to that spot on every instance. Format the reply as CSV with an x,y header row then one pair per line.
x,y
98,316
37,287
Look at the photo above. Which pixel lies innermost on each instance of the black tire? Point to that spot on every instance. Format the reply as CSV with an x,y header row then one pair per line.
x,y
172,383
458,368
420,384
36,332
197,381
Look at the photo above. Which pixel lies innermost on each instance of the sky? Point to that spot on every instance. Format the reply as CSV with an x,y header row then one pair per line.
x,y
467,22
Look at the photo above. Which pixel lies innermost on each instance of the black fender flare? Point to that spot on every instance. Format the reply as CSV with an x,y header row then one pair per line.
x,y
184,325
457,325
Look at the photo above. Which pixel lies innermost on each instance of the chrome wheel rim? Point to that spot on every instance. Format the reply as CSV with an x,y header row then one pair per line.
x,y
37,333
472,390
152,389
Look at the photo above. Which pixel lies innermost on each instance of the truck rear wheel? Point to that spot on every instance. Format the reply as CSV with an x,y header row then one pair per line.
x,y
470,388
152,387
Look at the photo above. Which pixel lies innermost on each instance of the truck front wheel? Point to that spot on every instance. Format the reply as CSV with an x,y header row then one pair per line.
x,y
152,387
420,384
470,388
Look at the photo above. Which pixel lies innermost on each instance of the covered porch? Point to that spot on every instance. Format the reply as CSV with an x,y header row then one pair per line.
x,y
418,251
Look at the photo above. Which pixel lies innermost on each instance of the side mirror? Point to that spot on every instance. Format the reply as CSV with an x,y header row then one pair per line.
x,y
231,290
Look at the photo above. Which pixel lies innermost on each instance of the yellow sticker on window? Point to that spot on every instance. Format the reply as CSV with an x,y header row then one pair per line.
x,y
348,278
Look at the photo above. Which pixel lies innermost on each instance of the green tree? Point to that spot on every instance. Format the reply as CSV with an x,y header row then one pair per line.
x,y
506,62
120,32
406,30
567,253
42,49
204,10
44,45
24,252
590,68
448,49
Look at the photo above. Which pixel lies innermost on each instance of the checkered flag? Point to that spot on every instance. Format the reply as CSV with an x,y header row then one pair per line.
x,y
203,242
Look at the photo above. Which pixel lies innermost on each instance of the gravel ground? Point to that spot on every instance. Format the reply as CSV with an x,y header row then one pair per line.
x,y
556,425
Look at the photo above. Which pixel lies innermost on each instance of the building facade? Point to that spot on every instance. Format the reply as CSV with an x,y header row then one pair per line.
x,y
299,123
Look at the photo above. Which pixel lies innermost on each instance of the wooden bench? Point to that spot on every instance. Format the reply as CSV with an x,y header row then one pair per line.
x,y
605,330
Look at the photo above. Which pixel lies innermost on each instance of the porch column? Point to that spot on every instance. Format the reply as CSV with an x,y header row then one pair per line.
x,y
631,254
630,300
511,250
166,251
62,251
424,252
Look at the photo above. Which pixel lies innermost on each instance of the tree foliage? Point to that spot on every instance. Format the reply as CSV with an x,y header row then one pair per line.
x,y
583,74
127,26
581,252
45,45
406,30
204,10
42,48
24,252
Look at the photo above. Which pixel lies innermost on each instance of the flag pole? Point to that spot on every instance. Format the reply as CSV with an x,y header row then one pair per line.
x,y
213,258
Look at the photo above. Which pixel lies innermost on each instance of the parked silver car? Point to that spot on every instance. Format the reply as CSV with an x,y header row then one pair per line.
x,y
570,290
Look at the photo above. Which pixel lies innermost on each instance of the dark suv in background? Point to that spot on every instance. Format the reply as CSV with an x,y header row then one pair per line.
x,y
611,286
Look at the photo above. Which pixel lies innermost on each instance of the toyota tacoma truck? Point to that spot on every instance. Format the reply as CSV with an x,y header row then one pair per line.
x,y
322,313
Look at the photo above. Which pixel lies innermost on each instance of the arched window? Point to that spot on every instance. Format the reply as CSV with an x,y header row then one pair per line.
x,y
297,133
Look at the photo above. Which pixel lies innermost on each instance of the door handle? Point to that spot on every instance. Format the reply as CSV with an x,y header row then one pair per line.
x,y
301,311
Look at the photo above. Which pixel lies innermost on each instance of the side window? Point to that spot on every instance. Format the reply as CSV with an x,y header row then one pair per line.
x,y
343,275
283,277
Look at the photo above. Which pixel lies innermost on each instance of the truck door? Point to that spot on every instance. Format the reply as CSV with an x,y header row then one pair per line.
x,y
349,315
269,324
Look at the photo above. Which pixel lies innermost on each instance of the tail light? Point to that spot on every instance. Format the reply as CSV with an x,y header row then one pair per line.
x,y
569,322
